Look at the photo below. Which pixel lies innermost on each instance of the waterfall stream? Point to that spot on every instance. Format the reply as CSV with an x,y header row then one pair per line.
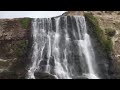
x,y
62,48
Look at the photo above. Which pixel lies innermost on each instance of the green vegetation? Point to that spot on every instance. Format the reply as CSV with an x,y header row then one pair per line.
x,y
21,48
104,39
25,22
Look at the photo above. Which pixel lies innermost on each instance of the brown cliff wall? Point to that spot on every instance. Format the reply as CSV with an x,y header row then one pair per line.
x,y
14,40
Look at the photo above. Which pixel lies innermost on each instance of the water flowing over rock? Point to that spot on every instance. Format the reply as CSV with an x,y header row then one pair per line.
x,y
62,49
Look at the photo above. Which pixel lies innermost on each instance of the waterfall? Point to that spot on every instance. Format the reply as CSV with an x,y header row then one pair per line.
x,y
62,48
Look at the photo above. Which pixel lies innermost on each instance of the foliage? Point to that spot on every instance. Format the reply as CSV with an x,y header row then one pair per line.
x,y
104,39
25,22
21,48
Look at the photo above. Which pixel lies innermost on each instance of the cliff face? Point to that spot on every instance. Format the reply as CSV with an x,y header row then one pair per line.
x,y
15,45
110,23
14,36
107,31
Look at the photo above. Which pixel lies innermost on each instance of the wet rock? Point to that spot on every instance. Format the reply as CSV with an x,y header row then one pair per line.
x,y
42,75
8,75
52,61
80,77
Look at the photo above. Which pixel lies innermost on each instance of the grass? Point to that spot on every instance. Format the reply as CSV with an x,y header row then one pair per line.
x,y
25,22
104,39
21,48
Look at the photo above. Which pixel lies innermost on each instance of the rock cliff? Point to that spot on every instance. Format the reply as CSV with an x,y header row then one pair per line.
x,y
15,43
107,31
14,36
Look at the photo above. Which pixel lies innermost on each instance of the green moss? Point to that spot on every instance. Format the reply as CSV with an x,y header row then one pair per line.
x,y
25,22
21,48
104,39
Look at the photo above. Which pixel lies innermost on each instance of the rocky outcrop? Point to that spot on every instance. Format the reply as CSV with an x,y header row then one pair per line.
x,y
11,30
14,47
41,75
71,13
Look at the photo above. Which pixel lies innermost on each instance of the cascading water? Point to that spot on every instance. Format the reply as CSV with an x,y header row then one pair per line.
x,y
62,48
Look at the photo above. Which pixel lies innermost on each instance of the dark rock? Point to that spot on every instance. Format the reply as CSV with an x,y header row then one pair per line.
x,y
42,75
69,28
80,77
53,24
8,75
52,61
111,33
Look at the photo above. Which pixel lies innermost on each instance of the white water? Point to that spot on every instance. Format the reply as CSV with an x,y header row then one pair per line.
x,y
59,44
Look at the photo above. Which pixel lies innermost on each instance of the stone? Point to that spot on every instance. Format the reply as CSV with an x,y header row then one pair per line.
x,y
43,75
8,75
112,33
80,77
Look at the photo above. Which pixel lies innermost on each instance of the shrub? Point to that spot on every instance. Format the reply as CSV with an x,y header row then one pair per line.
x,y
104,39
25,22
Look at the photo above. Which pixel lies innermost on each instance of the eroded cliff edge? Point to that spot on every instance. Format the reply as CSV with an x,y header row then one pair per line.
x,y
14,47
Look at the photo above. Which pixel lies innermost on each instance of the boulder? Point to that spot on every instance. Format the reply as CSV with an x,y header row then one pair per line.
x,y
8,75
80,77
43,75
